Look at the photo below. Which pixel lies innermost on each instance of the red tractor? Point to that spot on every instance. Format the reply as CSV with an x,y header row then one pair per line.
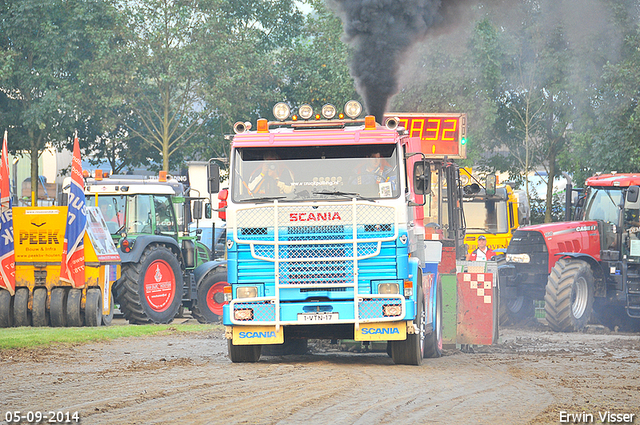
x,y
582,268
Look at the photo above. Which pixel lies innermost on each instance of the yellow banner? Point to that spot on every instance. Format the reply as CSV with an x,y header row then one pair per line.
x,y
251,335
381,331
39,233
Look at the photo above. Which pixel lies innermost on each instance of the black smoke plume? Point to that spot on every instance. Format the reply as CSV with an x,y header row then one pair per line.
x,y
381,32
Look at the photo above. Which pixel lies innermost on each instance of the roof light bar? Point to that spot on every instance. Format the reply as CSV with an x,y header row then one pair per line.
x,y
281,111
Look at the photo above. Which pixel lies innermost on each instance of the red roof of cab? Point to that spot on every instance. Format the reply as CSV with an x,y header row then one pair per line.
x,y
621,180
318,137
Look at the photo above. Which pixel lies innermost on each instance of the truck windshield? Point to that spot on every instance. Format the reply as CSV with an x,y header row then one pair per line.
x,y
602,204
315,173
486,216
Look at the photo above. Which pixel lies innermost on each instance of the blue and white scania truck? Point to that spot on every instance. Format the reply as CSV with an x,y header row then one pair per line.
x,y
327,218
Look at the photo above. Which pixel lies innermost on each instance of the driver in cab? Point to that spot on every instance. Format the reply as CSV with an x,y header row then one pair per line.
x,y
271,178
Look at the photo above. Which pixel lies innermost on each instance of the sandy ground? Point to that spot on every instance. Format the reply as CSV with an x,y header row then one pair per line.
x,y
530,377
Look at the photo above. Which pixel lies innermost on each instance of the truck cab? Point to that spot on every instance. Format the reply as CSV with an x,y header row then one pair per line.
x,y
325,238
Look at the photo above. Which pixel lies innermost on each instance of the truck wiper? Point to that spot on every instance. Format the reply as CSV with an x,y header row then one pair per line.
x,y
263,199
339,193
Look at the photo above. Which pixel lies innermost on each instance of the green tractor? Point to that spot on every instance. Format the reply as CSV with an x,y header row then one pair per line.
x,y
165,268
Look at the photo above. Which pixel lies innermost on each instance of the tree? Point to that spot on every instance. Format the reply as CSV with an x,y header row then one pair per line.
x,y
43,45
314,68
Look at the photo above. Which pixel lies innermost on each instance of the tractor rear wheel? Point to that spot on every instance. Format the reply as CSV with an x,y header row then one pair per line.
x,y
244,353
411,350
74,311
151,289
569,295
93,308
39,311
21,308
6,309
208,309
433,341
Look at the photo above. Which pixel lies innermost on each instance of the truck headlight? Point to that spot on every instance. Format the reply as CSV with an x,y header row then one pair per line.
x,y
518,258
388,288
246,292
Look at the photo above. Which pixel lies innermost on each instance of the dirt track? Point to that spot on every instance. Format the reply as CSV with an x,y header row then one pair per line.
x,y
530,377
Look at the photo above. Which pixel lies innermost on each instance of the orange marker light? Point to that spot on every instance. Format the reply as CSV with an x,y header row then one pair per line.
x,y
98,175
370,122
162,176
263,126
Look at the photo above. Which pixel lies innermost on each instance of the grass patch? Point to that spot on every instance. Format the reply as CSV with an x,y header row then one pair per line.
x,y
27,337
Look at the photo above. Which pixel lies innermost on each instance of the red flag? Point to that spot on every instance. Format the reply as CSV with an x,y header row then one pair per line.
x,y
72,269
7,255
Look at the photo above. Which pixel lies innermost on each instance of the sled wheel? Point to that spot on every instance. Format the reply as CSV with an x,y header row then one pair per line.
x,y
6,309
108,318
58,307
93,308
39,310
21,308
74,311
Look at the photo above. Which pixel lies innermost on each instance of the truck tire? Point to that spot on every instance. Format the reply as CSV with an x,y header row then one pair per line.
x,y
411,350
433,341
58,307
93,307
21,307
6,309
569,294
39,314
141,296
517,311
208,308
74,309
244,353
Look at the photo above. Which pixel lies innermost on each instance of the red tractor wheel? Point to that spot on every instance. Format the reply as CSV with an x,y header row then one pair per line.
x,y
211,296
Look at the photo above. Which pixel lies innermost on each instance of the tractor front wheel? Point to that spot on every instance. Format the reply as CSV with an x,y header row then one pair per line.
x,y
569,295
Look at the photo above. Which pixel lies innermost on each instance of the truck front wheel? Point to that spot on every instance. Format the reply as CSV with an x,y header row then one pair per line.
x,y
569,295
412,350
244,353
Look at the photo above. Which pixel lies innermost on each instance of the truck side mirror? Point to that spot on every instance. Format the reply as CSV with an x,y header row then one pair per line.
x,y
197,210
207,210
632,201
490,189
422,177
213,177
